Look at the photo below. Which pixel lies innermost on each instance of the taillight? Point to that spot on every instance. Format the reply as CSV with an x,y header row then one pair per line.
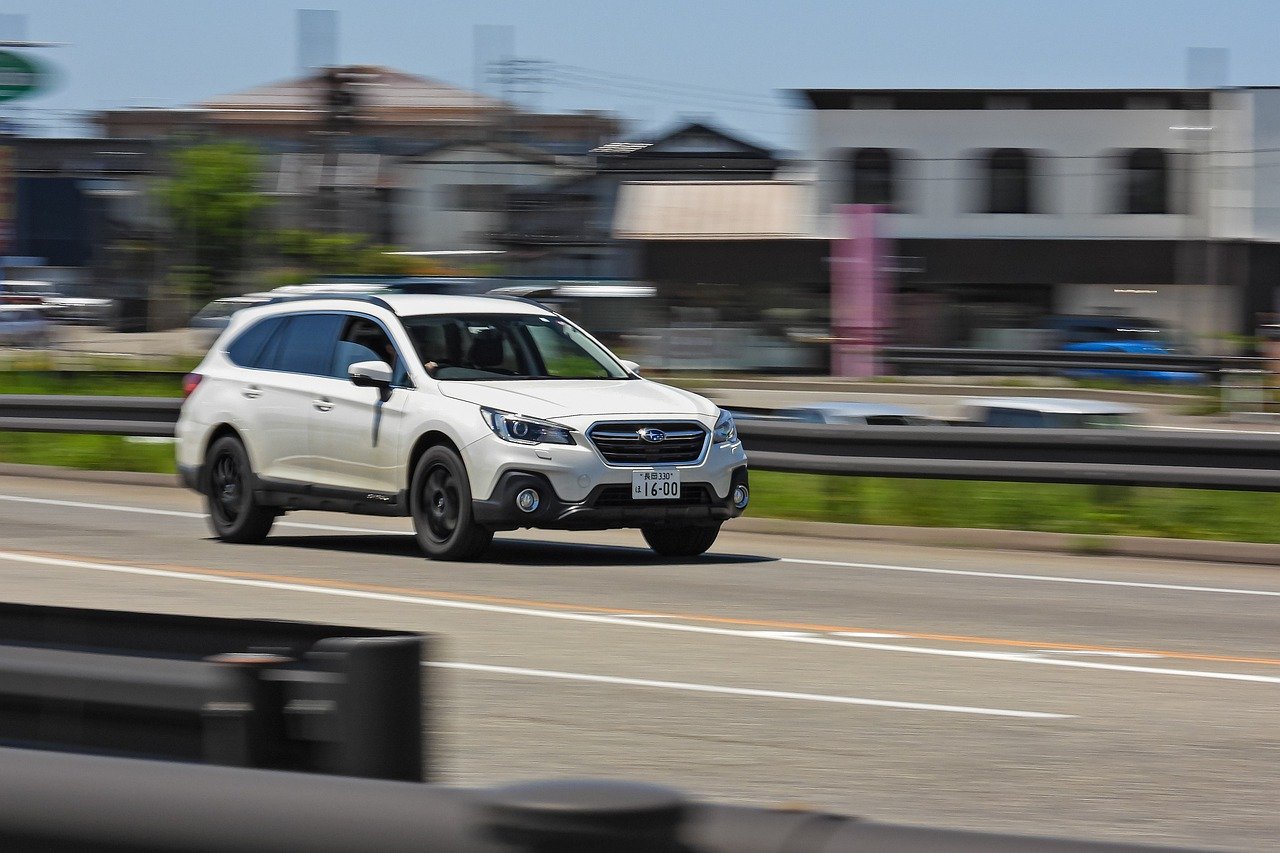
x,y
189,383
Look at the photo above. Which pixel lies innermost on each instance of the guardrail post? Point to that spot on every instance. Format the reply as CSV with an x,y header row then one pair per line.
x,y
583,816
377,707
244,716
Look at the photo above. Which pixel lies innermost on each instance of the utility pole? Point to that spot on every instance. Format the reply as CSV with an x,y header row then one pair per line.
x,y
519,80
341,114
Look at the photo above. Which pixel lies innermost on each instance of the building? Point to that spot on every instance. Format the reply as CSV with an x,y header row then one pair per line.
x,y
365,108
455,197
567,229
1008,205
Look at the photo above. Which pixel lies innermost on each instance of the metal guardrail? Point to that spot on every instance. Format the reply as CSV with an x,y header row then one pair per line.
x,y
1242,462
52,801
236,692
142,416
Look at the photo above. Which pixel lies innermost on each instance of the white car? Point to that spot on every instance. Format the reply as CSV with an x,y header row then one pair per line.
x,y
469,414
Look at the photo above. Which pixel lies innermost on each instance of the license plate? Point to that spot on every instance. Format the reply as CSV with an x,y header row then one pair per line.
x,y
655,485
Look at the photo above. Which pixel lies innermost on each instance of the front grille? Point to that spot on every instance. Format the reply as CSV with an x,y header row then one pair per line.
x,y
616,496
621,444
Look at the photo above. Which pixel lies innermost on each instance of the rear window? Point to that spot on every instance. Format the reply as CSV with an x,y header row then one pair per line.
x,y
246,350
305,345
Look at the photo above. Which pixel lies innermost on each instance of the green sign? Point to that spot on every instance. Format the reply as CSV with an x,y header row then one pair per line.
x,y
20,77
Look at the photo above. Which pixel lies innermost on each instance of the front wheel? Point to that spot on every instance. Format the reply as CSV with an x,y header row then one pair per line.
x,y
234,515
680,541
440,500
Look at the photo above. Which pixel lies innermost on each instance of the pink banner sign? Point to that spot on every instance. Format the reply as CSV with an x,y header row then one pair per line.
x,y
859,292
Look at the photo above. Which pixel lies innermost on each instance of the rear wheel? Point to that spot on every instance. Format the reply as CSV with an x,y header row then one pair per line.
x,y
440,500
234,515
681,541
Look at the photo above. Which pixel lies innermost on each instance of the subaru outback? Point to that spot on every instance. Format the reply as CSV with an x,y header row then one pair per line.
x,y
469,415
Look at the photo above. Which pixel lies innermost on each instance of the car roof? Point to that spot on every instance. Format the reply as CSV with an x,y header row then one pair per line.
x,y
1054,405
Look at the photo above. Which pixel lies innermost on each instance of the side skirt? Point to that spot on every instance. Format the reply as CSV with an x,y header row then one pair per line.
x,y
290,495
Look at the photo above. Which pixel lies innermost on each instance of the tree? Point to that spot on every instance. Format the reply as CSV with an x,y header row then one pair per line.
x,y
212,198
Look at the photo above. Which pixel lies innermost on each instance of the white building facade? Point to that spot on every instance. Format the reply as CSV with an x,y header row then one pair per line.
x,y
1009,205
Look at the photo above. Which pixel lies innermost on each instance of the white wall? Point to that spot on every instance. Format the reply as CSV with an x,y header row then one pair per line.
x,y
1079,186
426,220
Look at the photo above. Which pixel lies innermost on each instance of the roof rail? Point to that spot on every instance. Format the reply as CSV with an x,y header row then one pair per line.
x,y
512,298
350,297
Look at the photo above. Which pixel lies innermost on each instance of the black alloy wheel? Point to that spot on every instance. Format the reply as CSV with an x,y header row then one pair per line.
x,y
234,515
440,501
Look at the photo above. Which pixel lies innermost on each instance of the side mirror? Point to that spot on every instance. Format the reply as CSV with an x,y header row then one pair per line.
x,y
631,366
370,374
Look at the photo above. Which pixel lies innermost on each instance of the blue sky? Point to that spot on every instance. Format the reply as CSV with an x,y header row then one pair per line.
x,y
654,61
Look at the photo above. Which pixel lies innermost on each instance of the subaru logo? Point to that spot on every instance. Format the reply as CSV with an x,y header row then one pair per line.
x,y
651,435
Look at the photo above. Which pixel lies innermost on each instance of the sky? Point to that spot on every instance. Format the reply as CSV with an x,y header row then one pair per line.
x,y
655,62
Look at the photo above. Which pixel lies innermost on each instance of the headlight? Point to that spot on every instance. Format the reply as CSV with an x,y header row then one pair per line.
x,y
726,429
523,430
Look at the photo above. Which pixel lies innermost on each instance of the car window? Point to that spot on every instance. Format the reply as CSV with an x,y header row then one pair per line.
x,y
496,346
305,345
362,339
246,350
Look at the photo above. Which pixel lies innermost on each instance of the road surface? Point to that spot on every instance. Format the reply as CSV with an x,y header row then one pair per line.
x,y
1051,694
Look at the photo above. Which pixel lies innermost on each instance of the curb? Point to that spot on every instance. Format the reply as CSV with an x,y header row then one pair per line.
x,y
1206,550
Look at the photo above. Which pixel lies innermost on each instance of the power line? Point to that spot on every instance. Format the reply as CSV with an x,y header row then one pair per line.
x,y
738,94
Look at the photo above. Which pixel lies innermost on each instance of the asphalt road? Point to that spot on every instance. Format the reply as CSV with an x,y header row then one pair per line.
x,y
1048,694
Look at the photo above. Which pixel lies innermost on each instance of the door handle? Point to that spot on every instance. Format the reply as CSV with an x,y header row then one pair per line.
x,y
323,404
253,392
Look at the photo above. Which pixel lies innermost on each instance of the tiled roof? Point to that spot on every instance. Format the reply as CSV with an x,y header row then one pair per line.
x,y
378,89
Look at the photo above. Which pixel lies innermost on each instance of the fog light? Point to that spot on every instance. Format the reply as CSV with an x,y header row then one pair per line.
x,y
741,497
527,500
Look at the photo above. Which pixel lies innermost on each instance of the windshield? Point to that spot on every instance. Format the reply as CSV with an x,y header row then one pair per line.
x,y
515,346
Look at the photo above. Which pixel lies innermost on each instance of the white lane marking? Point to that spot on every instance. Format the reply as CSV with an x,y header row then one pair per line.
x,y
424,601
187,514
1046,578
146,510
743,691
779,635
1095,653
795,560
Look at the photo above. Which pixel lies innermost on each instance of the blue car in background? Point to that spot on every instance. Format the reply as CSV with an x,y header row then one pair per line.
x,y
1136,374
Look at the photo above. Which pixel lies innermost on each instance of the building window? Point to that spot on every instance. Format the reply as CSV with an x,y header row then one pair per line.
x,y
1146,181
872,174
475,197
1008,174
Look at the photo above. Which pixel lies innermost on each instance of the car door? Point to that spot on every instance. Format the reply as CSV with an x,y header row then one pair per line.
x,y
287,391
355,432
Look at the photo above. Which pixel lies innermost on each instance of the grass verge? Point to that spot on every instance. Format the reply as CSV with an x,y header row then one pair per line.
x,y
1057,508
89,452
94,384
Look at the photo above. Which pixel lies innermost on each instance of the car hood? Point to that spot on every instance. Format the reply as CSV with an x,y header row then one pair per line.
x,y
564,398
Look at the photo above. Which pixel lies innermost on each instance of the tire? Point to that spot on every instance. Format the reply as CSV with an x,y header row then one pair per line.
x,y
681,541
440,501
234,515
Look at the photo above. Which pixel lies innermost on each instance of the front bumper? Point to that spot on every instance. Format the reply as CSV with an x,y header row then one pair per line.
x,y
606,507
